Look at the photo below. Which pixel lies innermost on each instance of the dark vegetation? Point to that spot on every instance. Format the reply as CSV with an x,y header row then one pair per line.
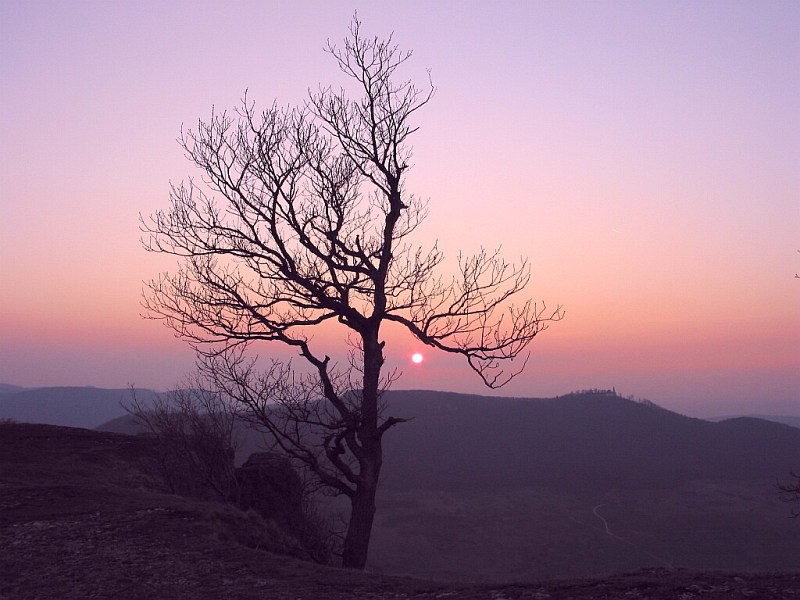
x,y
83,516
195,438
790,492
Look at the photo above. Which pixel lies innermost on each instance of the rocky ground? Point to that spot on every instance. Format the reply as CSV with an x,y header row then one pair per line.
x,y
81,516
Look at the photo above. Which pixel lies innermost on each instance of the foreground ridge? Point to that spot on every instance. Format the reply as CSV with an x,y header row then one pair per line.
x,y
80,517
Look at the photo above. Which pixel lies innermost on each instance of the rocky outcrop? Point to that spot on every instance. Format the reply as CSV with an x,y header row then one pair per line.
x,y
268,484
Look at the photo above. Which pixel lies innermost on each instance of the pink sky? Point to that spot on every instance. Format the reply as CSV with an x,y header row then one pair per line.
x,y
645,156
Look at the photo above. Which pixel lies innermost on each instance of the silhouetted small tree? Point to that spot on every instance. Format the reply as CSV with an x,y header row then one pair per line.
x,y
302,221
790,492
195,437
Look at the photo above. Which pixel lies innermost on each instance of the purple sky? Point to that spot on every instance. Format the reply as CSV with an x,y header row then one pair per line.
x,y
644,155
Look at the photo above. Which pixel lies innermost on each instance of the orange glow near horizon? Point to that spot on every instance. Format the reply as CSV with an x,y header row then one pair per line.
x,y
644,158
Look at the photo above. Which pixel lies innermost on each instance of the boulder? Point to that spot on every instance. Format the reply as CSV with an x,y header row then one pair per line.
x,y
268,484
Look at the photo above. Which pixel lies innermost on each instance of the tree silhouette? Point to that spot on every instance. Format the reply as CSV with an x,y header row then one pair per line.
x,y
790,492
301,221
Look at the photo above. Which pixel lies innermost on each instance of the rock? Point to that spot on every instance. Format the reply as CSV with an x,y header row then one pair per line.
x,y
268,484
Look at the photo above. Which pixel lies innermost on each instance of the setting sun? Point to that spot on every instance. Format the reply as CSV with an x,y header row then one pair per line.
x,y
417,358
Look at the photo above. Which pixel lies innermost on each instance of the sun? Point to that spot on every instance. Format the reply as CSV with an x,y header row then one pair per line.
x,y
417,358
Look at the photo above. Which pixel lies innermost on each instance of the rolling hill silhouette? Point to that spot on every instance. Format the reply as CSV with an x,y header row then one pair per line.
x,y
85,407
506,488
579,441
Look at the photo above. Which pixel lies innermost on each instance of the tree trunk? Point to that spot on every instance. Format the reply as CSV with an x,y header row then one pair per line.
x,y
362,512
362,503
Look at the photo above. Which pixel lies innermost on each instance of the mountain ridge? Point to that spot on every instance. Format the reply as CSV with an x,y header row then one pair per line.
x,y
68,406
577,440
7,391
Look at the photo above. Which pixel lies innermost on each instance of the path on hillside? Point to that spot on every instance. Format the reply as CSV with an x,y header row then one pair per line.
x,y
605,523
608,531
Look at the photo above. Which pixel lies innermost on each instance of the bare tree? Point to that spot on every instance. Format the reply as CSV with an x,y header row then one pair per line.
x,y
302,221
790,492
196,440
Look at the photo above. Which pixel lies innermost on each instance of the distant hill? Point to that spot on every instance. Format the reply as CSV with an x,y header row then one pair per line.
x,y
126,424
461,441
786,420
579,441
511,489
6,388
85,407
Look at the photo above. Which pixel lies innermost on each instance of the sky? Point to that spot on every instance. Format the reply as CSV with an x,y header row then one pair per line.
x,y
645,156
